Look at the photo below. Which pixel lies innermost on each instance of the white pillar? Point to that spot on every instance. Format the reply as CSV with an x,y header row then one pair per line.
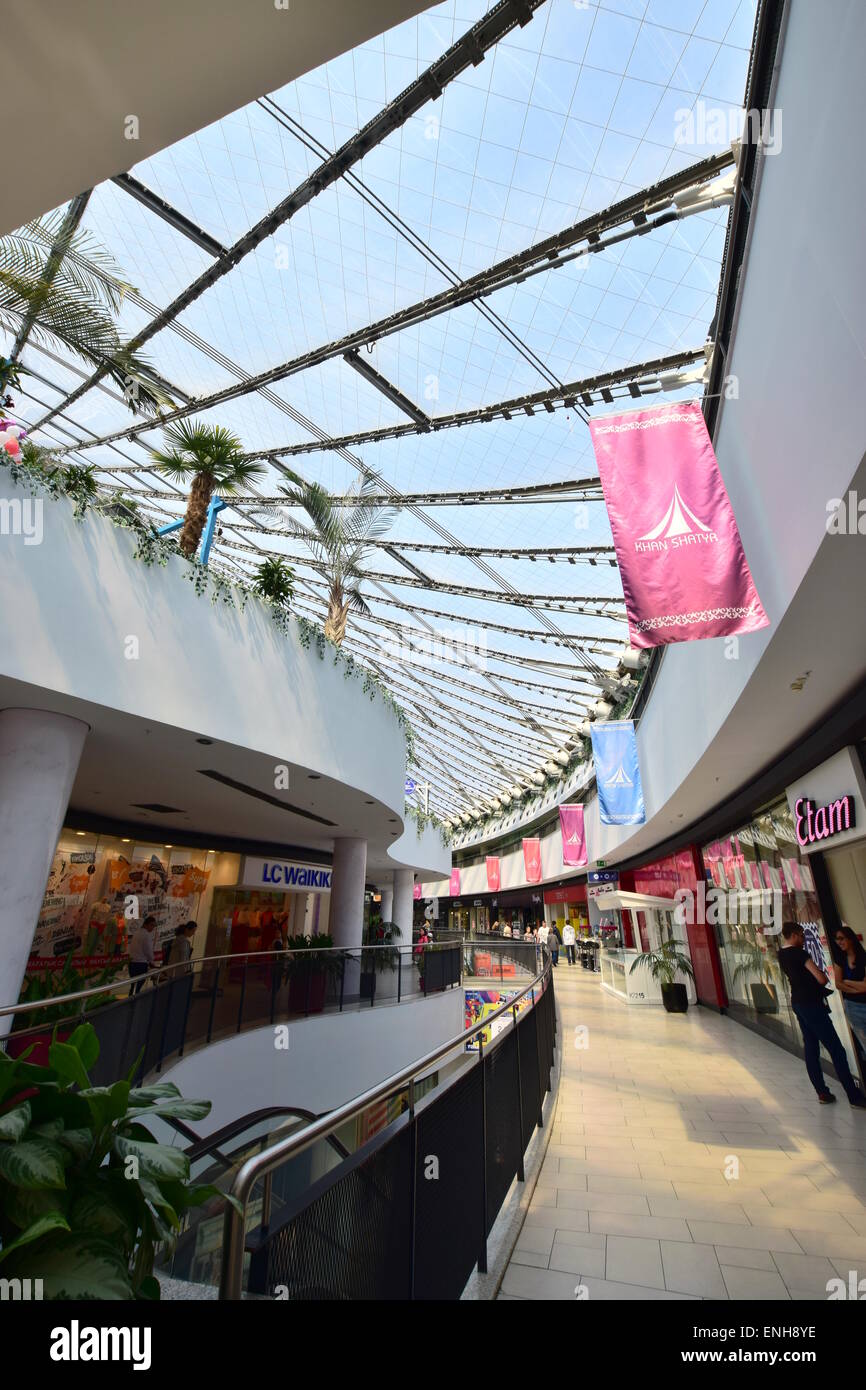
x,y
404,883
387,904
39,756
347,892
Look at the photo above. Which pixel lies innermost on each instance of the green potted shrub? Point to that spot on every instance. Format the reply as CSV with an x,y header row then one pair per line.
x,y
88,1197
309,962
381,935
54,984
664,964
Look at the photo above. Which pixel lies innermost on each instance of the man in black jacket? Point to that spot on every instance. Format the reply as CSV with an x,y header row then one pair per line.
x,y
809,1002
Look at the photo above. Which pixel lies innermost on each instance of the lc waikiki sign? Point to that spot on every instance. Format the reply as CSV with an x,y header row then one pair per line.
x,y
828,807
283,876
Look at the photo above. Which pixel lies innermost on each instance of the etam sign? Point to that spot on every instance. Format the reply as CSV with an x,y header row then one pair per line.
x,y
284,876
828,806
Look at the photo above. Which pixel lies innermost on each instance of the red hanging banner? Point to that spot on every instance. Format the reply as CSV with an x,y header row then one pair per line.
x,y
455,883
532,860
681,561
493,873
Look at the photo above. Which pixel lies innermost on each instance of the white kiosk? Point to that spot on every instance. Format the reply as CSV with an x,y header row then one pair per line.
x,y
616,962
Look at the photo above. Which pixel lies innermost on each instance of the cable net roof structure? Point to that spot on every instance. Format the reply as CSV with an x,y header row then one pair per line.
x,y
430,262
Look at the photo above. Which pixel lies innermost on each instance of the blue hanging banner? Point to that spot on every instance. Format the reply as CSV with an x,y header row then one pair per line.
x,y
617,774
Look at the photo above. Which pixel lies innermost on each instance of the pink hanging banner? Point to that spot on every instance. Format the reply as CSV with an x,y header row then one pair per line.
x,y
681,561
455,883
532,860
573,834
416,892
493,873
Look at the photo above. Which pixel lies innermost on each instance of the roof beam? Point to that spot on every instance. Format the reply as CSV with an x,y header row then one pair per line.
x,y
429,85
394,395
171,215
68,228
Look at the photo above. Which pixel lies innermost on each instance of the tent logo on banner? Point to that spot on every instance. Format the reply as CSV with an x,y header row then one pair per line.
x,y
680,526
619,779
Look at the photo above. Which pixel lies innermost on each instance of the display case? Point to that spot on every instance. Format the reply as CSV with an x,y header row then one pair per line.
x,y
617,976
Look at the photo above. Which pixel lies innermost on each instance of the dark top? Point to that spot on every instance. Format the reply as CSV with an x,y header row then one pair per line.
x,y
805,989
857,971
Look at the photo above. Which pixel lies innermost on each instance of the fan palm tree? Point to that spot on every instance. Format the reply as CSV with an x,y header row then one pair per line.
x,y
338,540
60,287
217,463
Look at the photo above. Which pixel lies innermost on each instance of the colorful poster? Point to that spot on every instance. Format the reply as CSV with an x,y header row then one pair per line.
x,y
617,774
683,569
532,860
493,873
455,883
480,1004
571,829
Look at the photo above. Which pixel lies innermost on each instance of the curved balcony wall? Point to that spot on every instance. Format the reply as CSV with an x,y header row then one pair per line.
x,y
87,626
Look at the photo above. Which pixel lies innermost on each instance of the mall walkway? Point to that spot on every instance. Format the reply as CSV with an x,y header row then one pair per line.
x,y
632,1200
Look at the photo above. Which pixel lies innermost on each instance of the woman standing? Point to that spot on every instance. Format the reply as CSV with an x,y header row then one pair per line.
x,y
850,973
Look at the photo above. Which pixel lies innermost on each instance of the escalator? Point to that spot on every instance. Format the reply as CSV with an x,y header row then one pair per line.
x,y
216,1159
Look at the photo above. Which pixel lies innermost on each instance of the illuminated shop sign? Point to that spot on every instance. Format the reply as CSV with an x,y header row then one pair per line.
x,y
828,804
813,823
286,877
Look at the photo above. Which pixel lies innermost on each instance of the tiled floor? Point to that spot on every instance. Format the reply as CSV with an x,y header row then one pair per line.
x,y
689,1159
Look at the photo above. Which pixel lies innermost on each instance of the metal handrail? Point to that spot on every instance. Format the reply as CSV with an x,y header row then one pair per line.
x,y
193,962
261,1165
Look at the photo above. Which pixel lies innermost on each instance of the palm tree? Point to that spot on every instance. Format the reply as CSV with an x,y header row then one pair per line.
x,y
338,541
60,287
217,463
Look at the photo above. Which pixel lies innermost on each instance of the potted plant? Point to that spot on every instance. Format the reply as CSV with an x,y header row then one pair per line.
x,y
309,962
87,1195
664,964
386,956
54,984
755,966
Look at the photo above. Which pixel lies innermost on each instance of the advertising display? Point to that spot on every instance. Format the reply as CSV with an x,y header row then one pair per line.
x,y
492,862
480,1003
683,569
617,773
95,897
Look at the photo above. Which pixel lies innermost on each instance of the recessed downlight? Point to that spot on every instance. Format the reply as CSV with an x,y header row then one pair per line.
x,y
314,776
206,741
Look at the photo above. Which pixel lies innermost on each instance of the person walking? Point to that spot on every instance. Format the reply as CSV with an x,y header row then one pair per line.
x,y
809,1002
141,954
180,951
850,973
568,943
554,941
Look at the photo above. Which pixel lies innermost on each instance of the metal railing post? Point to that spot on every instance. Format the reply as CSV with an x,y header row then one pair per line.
x,y
521,1176
542,1089
213,997
399,973
241,1000
413,1188
267,1184
186,1012
342,979
482,1254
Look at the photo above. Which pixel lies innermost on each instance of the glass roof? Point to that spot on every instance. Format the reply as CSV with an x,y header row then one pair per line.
x,y
496,658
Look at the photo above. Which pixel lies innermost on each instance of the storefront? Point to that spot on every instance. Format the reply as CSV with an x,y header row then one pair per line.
x,y
486,912
101,886
763,876
567,905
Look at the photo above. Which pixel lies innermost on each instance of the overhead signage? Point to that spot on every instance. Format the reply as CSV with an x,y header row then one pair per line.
x,y
828,805
286,876
617,773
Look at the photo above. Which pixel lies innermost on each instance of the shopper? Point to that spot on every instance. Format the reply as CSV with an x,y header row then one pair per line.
x,y
141,954
554,941
180,950
506,930
850,973
809,1002
568,943
528,934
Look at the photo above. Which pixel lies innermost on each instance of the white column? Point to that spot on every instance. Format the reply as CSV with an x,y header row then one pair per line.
x,y
387,904
347,892
39,756
404,882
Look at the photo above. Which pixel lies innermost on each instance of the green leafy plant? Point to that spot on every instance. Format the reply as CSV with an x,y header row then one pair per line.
x,y
54,984
314,952
213,457
59,286
87,1195
275,581
754,964
665,963
337,537
382,936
